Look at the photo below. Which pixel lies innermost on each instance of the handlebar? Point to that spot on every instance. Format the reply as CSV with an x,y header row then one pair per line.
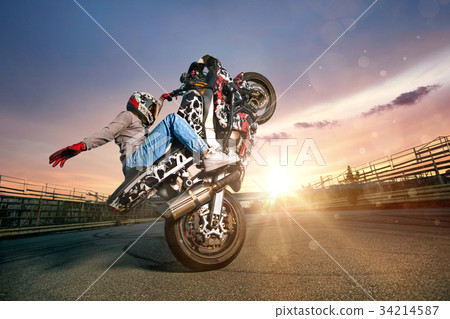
x,y
176,92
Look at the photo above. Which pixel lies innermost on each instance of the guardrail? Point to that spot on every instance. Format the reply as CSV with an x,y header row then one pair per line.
x,y
30,204
429,160
13,186
358,197
8,232
17,212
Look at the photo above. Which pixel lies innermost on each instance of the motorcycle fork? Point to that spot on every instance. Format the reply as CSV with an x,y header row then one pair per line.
x,y
217,201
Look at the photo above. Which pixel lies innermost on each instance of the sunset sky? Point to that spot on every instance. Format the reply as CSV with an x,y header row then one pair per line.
x,y
381,88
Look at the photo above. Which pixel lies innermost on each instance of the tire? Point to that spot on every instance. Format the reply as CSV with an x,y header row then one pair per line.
x,y
187,243
266,110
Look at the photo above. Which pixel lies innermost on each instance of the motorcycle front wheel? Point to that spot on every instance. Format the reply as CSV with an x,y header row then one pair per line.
x,y
265,101
203,241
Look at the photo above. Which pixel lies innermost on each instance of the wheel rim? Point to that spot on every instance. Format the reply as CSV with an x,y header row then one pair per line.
x,y
208,237
261,102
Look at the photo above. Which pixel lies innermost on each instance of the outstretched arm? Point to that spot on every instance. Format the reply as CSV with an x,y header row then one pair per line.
x,y
106,134
61,156
110,131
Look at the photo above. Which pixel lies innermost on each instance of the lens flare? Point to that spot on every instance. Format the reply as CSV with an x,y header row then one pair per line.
x,y
279,182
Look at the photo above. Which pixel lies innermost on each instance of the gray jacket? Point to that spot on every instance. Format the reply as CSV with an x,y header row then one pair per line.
x,y
126,130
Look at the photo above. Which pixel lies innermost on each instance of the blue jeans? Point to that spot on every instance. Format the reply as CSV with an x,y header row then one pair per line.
x,y
153,147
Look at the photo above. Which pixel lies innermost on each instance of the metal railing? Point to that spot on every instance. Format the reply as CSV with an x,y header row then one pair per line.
x,y
29,203
16,212
13,186
429,161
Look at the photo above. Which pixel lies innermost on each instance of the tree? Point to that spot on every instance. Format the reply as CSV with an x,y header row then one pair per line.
x,y
352,188
349,178
357,177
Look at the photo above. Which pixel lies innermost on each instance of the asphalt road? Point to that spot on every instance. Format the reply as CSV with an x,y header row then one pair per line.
x,y
347,255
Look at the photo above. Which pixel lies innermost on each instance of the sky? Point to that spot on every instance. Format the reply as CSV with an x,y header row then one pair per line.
x,y
356,80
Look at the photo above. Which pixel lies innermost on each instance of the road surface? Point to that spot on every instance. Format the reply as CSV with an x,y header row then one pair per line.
x,y
345,255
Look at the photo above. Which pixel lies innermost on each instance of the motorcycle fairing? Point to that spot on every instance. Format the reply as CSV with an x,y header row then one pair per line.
x,y
223,85
140,185
191,110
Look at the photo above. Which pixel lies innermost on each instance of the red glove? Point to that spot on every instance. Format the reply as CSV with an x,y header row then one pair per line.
x,y
167,97
64,154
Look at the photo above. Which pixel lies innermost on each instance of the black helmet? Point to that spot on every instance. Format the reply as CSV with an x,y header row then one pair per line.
x,y
142,104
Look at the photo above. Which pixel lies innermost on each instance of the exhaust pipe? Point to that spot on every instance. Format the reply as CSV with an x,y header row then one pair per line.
x,y
194,197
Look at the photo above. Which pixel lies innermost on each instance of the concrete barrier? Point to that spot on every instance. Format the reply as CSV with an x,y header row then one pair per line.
x,y
428,195
12,232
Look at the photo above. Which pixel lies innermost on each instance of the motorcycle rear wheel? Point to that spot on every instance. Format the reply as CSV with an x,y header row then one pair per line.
x,y
266,106
188,243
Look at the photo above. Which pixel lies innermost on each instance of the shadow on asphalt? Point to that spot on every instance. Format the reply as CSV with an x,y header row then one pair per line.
x,y
156,255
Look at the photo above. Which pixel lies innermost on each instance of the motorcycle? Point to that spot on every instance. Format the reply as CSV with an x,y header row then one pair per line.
x,y
204,224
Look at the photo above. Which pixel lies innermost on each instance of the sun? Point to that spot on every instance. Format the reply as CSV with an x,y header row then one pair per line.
x,y
279,182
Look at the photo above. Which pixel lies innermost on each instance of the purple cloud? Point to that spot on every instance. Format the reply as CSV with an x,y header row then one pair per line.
x,y
404,99
408,98
276,136
319,124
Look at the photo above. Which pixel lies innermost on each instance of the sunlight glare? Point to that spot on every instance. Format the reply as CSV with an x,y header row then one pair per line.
x,y
279,182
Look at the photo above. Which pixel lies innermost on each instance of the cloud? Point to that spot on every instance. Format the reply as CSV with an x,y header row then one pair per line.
x,y
404,99
319,124
275,136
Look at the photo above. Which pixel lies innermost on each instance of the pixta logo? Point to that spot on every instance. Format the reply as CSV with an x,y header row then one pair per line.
x,y
309,152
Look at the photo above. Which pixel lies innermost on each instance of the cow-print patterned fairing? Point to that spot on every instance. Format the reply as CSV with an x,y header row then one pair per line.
x,y
145,185
191,110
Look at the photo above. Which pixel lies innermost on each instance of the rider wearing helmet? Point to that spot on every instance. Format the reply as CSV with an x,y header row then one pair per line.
x,y
140,148
209,73
144,106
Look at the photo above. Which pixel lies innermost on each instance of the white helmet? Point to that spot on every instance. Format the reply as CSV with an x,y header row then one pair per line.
x,y
142,104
